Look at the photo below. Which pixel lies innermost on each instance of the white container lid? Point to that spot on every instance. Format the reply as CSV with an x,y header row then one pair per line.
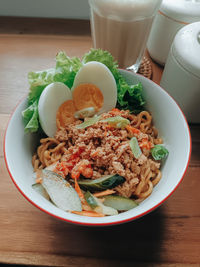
x,y
184,11
186,48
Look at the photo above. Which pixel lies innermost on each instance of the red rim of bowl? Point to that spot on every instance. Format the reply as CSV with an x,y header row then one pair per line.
x,y
109,223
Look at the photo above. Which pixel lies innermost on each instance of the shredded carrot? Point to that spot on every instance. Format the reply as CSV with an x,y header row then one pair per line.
x,y
84,203
86,206
104,193
78,190
88,213
133,129
75,174
146,144
95,153
39,180
115,111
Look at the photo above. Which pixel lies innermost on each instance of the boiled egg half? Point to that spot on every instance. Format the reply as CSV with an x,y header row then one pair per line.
x,y
49,103
94,90
94,86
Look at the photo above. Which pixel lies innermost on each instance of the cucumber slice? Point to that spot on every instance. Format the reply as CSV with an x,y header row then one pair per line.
x,y
62,194
119,203
105,182
88,122
91,200
40,189
105,209
117,121
135,147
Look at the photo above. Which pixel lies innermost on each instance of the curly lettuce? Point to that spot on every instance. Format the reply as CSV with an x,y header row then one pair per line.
x,y
30,116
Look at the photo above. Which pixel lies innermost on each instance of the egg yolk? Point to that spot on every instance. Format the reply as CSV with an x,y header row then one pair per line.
x,y
65,114
87,95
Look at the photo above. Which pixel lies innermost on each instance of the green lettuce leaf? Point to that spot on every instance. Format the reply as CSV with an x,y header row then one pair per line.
x,y
66,68
30,117
130,97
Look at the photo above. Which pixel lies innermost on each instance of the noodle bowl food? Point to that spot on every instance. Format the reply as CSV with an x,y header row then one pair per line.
x,y
100,145
101,149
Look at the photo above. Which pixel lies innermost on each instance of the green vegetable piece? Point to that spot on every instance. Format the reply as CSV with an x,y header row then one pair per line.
x,y
105,182
119,203
30,117
105,209
159,152
88,122
91,200
130,97
117,121
135,147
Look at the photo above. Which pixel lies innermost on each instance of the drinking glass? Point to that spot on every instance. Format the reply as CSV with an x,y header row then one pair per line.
x,y
122,27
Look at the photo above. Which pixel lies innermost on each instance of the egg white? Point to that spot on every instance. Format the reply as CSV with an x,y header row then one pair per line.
x,y
50,100
98,74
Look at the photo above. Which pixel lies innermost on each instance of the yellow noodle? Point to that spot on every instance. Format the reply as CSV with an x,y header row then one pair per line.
x,y
158,141
55,149
148,192
155,132
157,179
51,139
36,164
44,148
34,159
144,173
48,152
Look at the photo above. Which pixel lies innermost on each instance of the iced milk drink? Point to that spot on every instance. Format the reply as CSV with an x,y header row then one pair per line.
x,y
122,27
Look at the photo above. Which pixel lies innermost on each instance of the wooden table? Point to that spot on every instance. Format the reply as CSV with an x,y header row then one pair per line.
x,y
169,236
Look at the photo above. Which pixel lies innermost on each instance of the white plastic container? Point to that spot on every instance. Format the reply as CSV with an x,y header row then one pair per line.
x,y
181,76
171,17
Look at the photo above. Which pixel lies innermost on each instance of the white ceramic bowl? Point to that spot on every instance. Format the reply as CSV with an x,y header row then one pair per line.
x,y
172,126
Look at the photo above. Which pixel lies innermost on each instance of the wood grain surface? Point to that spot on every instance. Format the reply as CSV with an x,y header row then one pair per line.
x,y
169,236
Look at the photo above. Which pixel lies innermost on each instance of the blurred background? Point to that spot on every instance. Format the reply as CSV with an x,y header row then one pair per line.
x,y
78,9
